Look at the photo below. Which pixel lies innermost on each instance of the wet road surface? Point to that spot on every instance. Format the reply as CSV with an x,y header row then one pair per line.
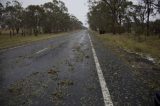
x,y
58,71
62,72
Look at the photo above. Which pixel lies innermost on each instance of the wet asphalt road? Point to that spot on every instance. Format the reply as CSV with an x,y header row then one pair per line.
x,y
58,72
62,72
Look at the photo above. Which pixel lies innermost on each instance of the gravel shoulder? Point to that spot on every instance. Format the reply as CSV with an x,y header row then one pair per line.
x,y
128,85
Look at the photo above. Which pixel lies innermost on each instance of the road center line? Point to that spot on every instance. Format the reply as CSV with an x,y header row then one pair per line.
x,y
40,51
105,91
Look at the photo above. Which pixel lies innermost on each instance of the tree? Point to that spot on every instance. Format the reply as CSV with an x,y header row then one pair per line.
x,y
116,11
110,13
101,13
1,18
154,26
152,7
1,11
138,15
58,18
47,18
115,6
35,12
13,16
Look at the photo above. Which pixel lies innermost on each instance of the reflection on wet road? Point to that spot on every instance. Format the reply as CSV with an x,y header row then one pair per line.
x,y
59,72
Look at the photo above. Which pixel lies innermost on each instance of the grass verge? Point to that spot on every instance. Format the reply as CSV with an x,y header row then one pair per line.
x,y
6,41
150,46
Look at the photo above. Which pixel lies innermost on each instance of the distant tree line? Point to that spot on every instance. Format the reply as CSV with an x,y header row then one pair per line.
x,y
51,17
118,16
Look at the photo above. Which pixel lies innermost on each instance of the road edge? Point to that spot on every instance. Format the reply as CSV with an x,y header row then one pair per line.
x,y
28,43
104,89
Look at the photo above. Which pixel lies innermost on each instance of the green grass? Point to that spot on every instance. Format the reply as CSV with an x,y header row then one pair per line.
x,y
6,41
149,46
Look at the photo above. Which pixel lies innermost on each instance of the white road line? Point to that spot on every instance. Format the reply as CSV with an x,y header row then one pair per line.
x,y
40,51
105,91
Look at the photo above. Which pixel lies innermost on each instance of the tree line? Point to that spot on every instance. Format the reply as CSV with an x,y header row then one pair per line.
x,y
51,17
119,16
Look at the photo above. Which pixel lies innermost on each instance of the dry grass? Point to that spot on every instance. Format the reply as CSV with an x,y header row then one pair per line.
x,y
65,82
6,41
149,46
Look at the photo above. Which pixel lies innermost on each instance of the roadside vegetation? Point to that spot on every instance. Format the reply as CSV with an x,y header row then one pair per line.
x,y
149,46
7,42
129,25
19,24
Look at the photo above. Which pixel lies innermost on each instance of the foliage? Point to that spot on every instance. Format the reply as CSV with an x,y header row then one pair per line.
x,y
50,17
150,46
118,16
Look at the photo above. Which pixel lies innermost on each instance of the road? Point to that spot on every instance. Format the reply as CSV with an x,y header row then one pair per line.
x,y
62,72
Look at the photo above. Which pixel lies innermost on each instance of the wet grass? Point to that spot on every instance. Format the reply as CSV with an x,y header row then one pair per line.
x,y
35,73
61,91
87,56
23,91
52,72
65,83
70,65
149,46
16,90
144,70
79,53
58,95
6,41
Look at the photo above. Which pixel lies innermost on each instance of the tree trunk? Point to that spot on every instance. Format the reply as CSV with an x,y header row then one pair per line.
x,y
114,22
17,30
13,31
22,32
10,33
148,15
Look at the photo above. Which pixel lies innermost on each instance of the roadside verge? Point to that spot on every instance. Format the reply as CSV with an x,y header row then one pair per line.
x,y
18,41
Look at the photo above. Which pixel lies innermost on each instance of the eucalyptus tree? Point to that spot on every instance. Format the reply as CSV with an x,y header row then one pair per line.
x,y
116,9
53,13
1,11
18,15
57,18
12,16
144,10
99,17
1,18
34,19
123,15
152,7
75,23
115,6
138,15
34,22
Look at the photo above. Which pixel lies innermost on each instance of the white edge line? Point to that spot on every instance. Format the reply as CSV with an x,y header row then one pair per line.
x,y
40,51
105,91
